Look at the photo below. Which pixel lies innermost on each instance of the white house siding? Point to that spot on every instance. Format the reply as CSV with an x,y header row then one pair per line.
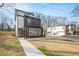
x,y
20,22
56,31
16,27
20,13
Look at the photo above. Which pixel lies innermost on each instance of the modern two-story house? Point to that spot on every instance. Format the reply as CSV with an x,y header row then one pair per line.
x,y
27,26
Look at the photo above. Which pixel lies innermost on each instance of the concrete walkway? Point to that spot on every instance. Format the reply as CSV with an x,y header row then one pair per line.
x,y
29,49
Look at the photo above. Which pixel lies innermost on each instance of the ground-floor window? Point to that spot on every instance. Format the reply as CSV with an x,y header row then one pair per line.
x,y
21,32
30,31
34,32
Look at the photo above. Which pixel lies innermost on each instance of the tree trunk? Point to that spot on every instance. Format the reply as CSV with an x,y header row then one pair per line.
x,y
2,26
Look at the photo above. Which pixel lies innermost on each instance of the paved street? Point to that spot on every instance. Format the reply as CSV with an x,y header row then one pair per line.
x,y
65,38
70,39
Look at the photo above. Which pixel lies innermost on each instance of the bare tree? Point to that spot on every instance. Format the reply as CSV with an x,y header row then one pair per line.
x,y
10,23
56,21
75,11
1,4
61,20
10,9
2,22
49,21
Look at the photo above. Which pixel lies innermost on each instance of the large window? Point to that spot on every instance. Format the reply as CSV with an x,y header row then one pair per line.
x,y
34,32
29,21
39,32
32,22
21,32
30,31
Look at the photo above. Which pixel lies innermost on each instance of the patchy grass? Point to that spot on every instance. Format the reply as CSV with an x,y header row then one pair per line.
x,y
46,52
6,33
10,45
72,36
57,47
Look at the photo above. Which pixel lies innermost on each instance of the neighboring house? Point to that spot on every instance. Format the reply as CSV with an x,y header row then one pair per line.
x,y
56,31
61,30
77,29
27,26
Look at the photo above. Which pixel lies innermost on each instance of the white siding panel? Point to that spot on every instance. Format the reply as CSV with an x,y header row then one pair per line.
x,y
20,13
20,22
56,31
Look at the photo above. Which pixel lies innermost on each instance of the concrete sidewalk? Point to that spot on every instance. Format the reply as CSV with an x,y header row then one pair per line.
x,y
29,49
